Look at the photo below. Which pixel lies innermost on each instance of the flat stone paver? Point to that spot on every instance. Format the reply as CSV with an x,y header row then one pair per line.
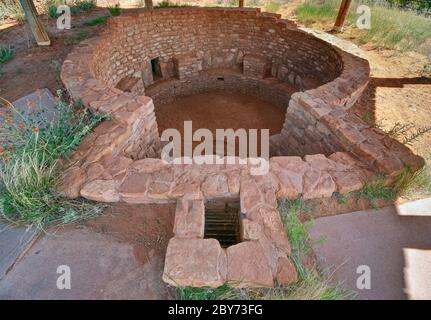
x,y
101,266
40,104
395,242
13,242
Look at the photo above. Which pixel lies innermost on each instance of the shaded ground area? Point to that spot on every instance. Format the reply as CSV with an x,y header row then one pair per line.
x,y
118,255
36,67
220,110
394,242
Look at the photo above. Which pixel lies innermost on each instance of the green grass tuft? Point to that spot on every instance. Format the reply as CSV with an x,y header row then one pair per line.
x,y
377,190
391,27
11,9
95,21
31,151
6,54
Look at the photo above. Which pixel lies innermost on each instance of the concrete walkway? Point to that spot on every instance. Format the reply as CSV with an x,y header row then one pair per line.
x,y
395,243
119,255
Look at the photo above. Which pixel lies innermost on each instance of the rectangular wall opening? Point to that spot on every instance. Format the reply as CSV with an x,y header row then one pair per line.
x,y
156,69
223,221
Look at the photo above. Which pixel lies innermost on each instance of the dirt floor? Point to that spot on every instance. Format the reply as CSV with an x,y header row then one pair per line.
x,y
147,227
36,67
220,110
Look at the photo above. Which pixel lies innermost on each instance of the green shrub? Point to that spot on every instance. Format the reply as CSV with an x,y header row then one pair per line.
x,y
95,21
6,54
84,5
168,4
31,149
115,10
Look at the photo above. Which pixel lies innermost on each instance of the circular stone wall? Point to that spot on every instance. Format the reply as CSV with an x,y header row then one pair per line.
x,y
154,56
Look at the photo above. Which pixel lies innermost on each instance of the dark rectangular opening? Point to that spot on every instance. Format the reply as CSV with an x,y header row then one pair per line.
x,y
223,221
220,78
156,69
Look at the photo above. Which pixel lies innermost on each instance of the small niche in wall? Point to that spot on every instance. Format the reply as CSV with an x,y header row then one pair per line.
x,y
220,78
156,69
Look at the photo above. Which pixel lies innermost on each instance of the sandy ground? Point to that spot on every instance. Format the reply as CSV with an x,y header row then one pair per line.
x,y
216,109
397,92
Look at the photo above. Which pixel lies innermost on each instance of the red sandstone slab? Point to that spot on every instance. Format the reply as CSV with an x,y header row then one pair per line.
x,y
195,262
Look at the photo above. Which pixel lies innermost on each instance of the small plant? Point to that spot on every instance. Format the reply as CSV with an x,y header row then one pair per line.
x,y
409,182
6,54
342,198
115,10
426,71
366,116
95,21
407,133
168,4
50,7
31,148
77,37
84,5
377,190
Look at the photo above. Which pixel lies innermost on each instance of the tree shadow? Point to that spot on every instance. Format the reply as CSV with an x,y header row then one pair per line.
x,y
365,107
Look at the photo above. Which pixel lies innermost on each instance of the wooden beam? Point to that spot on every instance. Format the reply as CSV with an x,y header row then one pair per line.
x,y
241,3
149,4
342,13
34,22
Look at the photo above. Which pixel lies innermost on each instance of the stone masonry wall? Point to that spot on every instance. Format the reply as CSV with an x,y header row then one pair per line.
x,y
217,38
119,160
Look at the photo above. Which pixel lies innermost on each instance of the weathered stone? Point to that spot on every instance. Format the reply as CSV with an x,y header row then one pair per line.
x,y
96,171
320,162
215,185
116,165
247,265
189,218
250,196
101,190
195,262
251,230
273,227
71,182
286,272
347,181
134,188
318,184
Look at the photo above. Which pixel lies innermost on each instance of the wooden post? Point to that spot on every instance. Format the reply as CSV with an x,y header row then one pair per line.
x,y
342,13
149,4
241,3
34,22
